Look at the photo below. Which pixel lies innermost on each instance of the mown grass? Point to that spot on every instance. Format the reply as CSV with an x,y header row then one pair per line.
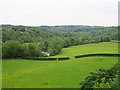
x,y
57,74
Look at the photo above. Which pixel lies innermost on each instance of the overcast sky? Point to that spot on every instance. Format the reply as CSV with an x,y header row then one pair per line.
x,y
59,12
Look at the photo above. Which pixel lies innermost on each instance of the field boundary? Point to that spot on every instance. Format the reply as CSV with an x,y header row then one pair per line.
x,y
98,54
68,58
46,58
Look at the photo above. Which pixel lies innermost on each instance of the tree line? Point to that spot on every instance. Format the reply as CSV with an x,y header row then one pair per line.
x,y
24,41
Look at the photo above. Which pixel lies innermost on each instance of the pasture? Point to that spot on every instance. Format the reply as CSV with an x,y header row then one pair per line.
x,y
105,47
19,73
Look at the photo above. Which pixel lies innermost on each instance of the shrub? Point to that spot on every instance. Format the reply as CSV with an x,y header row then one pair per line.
x,y
15,49
12,49
103,78
33,50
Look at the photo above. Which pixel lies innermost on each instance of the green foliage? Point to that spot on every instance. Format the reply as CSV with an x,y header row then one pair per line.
x,y
64,58
12,49
40,58
15,49
105,39
52,39
103,78
55,46
33,50
97,54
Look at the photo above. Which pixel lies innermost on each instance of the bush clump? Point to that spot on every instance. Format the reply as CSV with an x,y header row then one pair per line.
x,y
103,78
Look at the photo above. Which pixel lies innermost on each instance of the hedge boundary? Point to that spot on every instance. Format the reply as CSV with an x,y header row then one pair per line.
x,y
39,58
46,59
68,58
99,54
64,58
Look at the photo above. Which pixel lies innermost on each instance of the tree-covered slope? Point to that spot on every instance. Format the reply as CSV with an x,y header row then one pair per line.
x,y
52,39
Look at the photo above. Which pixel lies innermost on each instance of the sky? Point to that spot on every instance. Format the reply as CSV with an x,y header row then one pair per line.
x,y
59,12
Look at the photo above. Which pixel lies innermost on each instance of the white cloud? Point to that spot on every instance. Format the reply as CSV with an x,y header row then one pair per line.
x,y
55,12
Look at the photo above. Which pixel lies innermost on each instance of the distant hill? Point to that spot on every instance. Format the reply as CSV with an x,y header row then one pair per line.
x,y
74,28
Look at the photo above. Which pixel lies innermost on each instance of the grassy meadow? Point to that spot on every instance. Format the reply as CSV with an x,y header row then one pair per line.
x,y
105,47
58,74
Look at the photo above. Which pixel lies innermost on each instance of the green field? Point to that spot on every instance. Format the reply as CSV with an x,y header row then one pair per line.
x,y
58,74
105,47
